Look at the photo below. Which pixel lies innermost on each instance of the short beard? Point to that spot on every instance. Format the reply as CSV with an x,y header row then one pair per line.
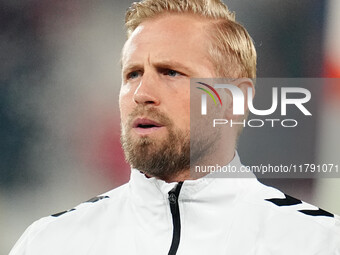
x,y
162,159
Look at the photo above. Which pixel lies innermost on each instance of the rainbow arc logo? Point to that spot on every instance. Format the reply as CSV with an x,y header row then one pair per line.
x,y
204,97
209,93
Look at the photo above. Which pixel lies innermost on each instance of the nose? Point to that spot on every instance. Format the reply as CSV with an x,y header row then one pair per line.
x,y
147,92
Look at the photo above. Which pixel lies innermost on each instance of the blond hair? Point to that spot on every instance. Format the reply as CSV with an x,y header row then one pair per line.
x,y
231,48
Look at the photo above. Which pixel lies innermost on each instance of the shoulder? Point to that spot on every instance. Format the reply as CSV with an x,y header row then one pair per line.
x,y
280,218
277,202
63,224
94,205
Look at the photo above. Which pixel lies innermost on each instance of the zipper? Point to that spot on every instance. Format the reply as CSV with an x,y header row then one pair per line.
x,y
176,220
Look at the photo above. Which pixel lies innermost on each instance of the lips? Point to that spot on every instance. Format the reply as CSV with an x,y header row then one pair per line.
x,y
145,123
145,126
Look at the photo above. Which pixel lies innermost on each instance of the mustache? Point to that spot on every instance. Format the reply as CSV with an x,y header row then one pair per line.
x,y
150,113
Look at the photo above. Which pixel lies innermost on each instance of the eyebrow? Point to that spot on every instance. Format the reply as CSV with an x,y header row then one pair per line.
x,y
173,65
167,64
132,66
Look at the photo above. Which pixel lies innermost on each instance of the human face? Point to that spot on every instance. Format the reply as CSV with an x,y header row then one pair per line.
x,y
158,61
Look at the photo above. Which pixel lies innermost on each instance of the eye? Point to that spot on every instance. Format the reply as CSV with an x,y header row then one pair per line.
x,y
171,73
133,75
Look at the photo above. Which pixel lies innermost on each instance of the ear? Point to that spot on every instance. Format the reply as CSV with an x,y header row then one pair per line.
x,y
245,85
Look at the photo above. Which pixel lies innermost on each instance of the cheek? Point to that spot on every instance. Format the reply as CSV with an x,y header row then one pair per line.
x,y
181,110
124,103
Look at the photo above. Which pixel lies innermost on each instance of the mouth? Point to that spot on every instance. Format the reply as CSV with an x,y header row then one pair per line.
x,y
144,126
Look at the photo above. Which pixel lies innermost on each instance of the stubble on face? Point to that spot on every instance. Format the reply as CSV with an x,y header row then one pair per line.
x,y
174,154
161,158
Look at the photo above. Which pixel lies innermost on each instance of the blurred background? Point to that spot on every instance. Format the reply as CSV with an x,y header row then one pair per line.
x,y
59,85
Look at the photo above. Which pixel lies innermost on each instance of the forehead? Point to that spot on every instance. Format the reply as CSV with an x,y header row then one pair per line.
x,y
169,35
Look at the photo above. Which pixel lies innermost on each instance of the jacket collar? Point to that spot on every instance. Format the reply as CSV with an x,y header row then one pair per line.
x,y
144,187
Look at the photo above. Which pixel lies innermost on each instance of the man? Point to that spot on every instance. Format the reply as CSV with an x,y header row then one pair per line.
x,y
164,209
